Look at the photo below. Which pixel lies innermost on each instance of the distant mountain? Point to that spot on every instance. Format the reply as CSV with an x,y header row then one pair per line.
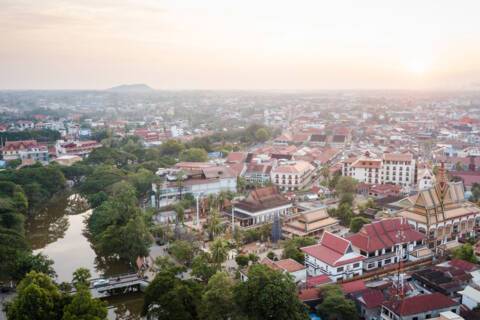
x,y
137,87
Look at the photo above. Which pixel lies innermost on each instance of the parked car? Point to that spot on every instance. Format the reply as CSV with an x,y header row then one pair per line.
x,y
100,282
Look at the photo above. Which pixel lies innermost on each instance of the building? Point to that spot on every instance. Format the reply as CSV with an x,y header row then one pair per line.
x,y
261,206
76,148
399,169
392,168
311,223
443,214
419,307
290,266
387,241
292,175
199,179
446,280
425,179
333,256
258,173
470,297
25,150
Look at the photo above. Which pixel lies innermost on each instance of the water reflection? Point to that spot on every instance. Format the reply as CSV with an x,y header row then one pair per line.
x,y
58,231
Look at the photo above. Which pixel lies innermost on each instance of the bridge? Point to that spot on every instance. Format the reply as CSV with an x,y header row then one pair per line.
x,y
117,285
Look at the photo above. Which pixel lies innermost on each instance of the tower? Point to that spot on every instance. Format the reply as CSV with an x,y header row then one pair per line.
x,y
276,229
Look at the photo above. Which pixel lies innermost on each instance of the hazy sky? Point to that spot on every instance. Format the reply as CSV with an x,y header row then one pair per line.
x,y
242,44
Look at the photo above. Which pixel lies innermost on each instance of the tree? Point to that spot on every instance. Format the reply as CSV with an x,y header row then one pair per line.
x,y
169,298
346,185
119,227
344,212
262,135
357,223
202,267
183,251
465,252
194,155
213,224
84,307
242,260
269,294
180,211
13,246
219,250
217,301
81,278
27,262
335,306
37,298
292,248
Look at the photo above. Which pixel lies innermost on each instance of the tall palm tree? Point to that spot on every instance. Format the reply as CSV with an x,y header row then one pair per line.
x,y
213,224
219,251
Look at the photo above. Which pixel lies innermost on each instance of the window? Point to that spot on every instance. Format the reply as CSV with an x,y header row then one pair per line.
x,y
356,265
387,261
340,269
415,318
428,316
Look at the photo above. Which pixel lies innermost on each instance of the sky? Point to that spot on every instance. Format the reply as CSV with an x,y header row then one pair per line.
x,y
242,44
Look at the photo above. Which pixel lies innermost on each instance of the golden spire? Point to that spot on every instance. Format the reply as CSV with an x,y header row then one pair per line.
x,y
442,180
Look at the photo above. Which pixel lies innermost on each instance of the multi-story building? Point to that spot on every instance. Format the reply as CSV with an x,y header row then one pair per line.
x,y
399,169
387,241
333,256
258,173
292,175
392,168
25,150
199,179
76,148
443,214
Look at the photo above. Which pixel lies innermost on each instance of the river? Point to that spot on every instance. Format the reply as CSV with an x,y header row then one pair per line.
x,y
58,232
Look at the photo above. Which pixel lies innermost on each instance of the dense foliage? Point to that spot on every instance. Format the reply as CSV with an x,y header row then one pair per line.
x,y
335,306
118,227
38,297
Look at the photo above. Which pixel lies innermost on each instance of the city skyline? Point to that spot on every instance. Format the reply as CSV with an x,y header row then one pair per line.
x,y
272,45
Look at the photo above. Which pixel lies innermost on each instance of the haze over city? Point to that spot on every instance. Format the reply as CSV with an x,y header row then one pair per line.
x,y
306,45
239,160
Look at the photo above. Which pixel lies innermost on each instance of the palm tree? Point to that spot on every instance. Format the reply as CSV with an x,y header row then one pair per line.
x,y
219,251
213,224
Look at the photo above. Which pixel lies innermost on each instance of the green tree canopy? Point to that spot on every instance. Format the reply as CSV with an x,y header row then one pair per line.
x,y
335,306
465,252
84,307
194,155
183,251
169,298
357,223
262,135
269,294
217,301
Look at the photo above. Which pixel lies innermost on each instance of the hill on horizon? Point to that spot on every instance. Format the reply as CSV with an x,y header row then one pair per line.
x,y
136,87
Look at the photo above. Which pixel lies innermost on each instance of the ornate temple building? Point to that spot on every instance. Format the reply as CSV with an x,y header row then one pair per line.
x,y
442,213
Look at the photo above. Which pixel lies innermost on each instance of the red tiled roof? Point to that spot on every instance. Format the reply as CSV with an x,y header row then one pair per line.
x,y
384,234
331,250
236,157
463,265
289,265
420,304
318,280
353,286
309,294
373,298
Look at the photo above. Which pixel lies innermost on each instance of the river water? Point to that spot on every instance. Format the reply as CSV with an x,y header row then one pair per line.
x,y
58,232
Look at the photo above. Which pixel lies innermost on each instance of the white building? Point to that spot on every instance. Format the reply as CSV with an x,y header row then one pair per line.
x,y
470,297
425,179
25,150
176,131
333,256
292,175
198,179
393,168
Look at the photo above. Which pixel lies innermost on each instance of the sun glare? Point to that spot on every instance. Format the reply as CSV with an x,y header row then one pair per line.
x,y
417,67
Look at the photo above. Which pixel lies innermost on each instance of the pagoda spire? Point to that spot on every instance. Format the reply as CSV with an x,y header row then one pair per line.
x,y
442,180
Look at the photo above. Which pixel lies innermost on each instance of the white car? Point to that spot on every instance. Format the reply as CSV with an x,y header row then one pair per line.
x,y
100,282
